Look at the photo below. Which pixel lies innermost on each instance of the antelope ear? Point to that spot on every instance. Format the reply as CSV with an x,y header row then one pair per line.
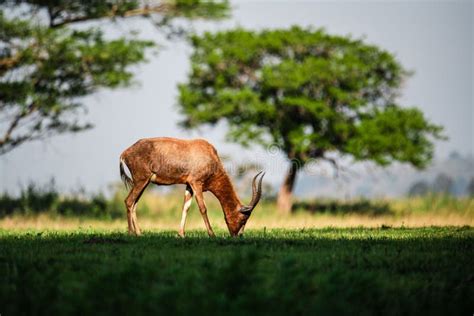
x,y
245,210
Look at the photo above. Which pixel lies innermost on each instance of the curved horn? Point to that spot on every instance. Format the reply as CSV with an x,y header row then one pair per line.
x,y
256,190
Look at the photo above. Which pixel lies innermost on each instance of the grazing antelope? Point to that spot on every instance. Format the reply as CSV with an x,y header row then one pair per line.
x,y
166,161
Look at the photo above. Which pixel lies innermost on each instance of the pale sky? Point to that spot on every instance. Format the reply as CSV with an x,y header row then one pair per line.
x,y
432,38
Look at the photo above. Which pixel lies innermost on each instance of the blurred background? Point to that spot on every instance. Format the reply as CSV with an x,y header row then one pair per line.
x,y
143,50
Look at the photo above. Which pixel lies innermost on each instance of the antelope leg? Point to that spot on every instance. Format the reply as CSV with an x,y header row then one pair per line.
x,y
202,207
131,204
188,198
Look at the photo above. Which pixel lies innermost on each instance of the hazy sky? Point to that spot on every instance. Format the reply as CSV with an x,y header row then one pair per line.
x,y
432,38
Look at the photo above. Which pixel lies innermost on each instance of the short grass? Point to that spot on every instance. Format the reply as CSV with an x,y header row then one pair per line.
x,y
371,271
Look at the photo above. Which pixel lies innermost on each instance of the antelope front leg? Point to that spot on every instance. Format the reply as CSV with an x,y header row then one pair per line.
x,y
188,198
203,209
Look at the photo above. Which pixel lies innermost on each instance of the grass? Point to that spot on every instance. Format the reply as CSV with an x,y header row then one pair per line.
x,y
369,271
164,211
43,207
70,255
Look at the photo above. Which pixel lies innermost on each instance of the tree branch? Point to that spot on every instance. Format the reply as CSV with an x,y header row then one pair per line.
x,y
14,124
341,171
8,63
17,141
146,10
334,164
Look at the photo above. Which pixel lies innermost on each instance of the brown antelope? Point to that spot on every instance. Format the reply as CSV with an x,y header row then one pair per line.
x,y
166,161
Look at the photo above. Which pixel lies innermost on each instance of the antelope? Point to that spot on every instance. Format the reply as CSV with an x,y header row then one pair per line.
x,y
195,163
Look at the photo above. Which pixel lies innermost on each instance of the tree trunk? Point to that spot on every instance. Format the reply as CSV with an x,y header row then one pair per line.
x,y
285,195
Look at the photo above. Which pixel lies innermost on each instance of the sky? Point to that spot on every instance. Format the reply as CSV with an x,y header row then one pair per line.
x,y
434,39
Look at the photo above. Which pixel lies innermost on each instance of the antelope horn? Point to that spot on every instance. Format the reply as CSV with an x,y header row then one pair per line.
x,y
256,193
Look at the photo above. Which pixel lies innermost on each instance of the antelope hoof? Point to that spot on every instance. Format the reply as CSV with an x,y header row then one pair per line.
x,y
181,234
134,233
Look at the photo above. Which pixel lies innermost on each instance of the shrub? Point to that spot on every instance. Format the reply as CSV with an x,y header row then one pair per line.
x,y
35,199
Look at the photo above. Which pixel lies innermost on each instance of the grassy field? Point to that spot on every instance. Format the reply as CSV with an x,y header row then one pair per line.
x,y
163,211
72,256
383,271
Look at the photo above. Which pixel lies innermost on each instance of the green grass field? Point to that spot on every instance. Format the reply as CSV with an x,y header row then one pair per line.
x,y
383,271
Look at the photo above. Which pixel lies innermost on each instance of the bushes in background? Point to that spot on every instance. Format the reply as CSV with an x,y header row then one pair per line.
x,y
39,199
45,199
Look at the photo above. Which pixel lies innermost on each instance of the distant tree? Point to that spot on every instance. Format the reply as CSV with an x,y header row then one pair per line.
x,y
307,92
470,188
47,66
454,155
243,173
443,184
419,188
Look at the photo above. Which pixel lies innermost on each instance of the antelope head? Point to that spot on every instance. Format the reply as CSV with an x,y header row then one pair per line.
x,y
236,224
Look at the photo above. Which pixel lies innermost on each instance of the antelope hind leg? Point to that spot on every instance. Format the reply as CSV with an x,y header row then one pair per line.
x,y
131,204
188,198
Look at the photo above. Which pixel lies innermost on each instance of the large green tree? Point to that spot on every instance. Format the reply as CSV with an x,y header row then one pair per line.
x,y
47,65
307,92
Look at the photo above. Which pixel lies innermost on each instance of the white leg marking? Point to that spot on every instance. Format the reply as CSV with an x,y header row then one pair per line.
x,y
186,206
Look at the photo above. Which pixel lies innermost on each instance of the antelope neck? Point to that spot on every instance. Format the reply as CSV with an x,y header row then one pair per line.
x,y
223,189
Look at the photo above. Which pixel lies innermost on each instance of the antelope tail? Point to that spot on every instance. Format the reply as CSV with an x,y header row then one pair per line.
x,y
125,178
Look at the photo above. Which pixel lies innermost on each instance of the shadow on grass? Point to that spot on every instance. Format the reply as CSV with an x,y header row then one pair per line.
x,y
329,271
363,207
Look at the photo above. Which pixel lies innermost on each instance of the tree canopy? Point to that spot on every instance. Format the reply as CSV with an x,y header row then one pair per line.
x,y
47,66
308,92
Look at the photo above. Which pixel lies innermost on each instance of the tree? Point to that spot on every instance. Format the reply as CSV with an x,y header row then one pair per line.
x,y
47,66
470,188
419,188
443,184
307,92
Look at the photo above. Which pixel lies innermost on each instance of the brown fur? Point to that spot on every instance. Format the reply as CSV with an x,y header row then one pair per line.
x,y
166,161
